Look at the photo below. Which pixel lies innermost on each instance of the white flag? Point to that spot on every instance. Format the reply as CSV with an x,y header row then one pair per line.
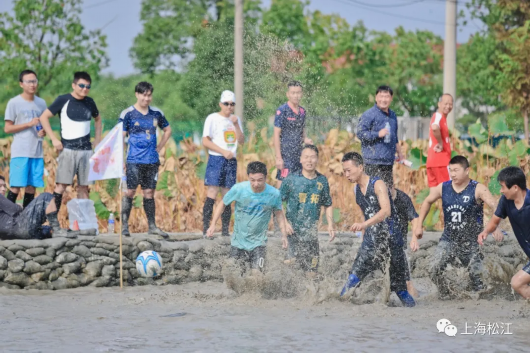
x,y
107,161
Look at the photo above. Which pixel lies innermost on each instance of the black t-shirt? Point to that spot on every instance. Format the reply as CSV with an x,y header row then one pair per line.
x,y
75,115
405,211
8,214
518,219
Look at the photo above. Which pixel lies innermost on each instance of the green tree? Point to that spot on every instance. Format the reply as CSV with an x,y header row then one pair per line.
x,y
508,22
170,27
48,37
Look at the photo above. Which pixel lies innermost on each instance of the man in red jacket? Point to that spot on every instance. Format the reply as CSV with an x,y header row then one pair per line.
x,y
439,153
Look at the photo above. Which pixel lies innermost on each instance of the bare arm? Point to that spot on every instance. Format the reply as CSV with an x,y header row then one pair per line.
x,y
11,128
384,202
329,217
45,122
482,193
434,195
216,215
435,128
490,228
98,126
277,149
208,143
240,136
165,138
283,227
306,139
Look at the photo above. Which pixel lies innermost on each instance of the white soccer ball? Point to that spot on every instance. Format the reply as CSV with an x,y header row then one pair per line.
x,y
149,264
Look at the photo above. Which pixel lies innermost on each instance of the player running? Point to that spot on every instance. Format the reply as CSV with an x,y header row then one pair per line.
x,y
305,192
405,213
462,203
514,204
380,243
255,202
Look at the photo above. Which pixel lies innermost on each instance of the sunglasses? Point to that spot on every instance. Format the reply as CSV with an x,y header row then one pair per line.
x,y
83,86
226,104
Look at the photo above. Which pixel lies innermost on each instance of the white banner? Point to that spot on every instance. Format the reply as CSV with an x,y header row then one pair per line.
x,y
107,161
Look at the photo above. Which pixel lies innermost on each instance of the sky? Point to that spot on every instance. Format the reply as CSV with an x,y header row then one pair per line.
x,y
120,20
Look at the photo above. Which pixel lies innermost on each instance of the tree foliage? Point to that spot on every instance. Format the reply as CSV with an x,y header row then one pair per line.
x,y
48,37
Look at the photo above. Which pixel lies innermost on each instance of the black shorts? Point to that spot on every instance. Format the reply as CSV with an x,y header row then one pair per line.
x,y
255,258
305,252
145,175
384,172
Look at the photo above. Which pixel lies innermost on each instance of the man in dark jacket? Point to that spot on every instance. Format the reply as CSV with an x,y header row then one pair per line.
x,y
377,131
18,223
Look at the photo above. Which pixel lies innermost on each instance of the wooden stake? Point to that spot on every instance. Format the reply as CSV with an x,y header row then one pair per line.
x,y
121,227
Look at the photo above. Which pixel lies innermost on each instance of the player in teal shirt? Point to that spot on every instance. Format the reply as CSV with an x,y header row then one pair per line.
x,y
256,201
306,192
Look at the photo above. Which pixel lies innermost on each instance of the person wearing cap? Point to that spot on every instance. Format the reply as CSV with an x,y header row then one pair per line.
x,y
221,135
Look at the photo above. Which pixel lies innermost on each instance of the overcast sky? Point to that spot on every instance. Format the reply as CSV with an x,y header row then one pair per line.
x,y
120,20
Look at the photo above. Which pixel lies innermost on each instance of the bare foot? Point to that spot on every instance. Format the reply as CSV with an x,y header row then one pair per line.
x,y
289,261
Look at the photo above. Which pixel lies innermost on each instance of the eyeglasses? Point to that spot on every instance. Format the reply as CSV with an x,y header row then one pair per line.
x,y
226,104
83,86
31,82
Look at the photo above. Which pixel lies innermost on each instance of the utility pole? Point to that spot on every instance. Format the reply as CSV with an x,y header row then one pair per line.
x,y
450,56
238,58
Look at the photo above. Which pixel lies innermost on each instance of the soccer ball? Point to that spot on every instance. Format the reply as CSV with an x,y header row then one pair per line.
x,y
149,264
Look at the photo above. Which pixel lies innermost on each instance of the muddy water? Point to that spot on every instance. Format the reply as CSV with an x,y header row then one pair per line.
x,y
208,317
281,312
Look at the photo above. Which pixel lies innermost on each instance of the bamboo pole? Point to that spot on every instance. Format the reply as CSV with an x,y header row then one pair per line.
x,y
121,227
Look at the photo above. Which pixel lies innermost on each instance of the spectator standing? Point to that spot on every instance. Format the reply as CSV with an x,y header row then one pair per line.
x,y
222,133
140,122
377,131
26,167
439,153
75,110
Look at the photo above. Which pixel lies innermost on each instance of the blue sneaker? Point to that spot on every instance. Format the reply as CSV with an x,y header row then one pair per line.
x,y
406,298
353,281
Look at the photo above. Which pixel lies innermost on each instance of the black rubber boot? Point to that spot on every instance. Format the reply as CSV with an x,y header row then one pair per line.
x,y
126,207
59,232
150,208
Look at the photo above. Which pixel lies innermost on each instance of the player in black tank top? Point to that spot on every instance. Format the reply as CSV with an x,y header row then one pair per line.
x,y
462,203
380,246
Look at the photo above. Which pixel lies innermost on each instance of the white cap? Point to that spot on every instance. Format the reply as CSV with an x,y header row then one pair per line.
x,y
228,96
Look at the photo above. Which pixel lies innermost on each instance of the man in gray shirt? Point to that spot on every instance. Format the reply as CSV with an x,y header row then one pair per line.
x,y
26,167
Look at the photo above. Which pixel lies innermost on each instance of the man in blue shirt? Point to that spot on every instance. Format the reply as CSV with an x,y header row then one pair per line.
x,y
140,122
514,204
255,202
377,131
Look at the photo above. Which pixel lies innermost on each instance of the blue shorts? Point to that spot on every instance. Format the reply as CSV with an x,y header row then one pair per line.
x,y
221,172
25,171
289,167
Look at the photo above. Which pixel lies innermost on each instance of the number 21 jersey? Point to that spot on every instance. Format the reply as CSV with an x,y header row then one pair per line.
x,y
463,216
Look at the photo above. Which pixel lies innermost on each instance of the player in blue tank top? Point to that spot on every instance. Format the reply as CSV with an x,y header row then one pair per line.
x,y
462,203
380,243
